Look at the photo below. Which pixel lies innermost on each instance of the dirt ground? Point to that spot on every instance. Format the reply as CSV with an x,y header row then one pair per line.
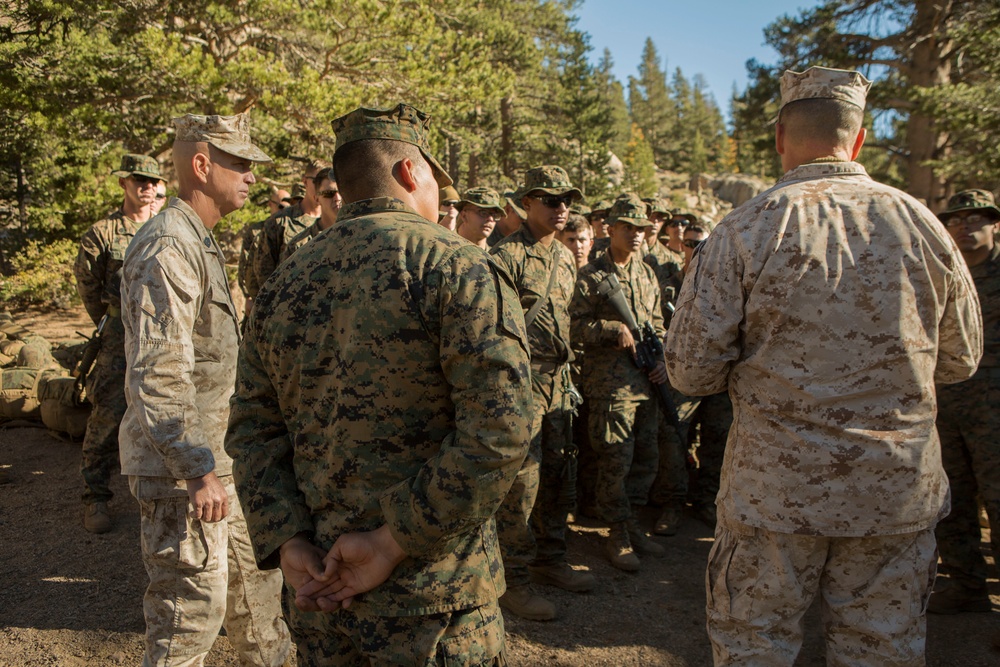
x,y
69,598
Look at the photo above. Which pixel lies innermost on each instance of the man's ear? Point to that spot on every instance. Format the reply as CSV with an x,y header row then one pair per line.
x,y
405,173
779,138
859,141
201,164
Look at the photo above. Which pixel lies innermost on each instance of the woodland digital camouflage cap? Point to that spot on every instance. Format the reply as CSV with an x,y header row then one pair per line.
x,y
579,208
603,206
140,165
681,213
230,134
657,205
970,200
824,83
513,199
399,123
631,209
551,180
483,198
298,191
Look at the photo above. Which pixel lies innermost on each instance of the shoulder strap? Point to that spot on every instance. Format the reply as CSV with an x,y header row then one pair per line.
x,y
533,312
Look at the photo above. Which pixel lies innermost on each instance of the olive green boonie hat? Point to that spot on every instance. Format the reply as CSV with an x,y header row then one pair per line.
x,y
399,123
139,165
448,193
230,134
657,205
580,209
970,200
681,213
514,201
602,206
824,83
298,191
483,198
631,209
551,180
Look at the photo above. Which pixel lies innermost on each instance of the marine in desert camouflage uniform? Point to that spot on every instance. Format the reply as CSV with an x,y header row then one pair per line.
x,y
621,401
544,272
98,269
968,421
380,416
181,340
828,306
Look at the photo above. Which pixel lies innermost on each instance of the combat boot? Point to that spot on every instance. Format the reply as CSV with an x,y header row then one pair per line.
x,y
96,518
670,520
561,575
619,549
958,599
522,601
707,514
641,542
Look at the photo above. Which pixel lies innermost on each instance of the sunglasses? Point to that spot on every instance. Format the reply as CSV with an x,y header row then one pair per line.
x,y
691,243
972,220
678,222
450,202
329,194
144,180
161,196
554,201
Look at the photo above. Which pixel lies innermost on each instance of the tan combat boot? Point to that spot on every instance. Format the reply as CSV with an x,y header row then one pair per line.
x,y
96,518
619,549
641,542
670,520
561,575
522,601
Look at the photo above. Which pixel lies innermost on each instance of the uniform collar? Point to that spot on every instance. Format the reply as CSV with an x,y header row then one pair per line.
x,y
195,225
377,205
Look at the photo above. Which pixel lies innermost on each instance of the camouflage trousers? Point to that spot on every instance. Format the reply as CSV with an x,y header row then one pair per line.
x,y
469,637
623,434
671,484
531,521
203,576
968,424
874,593
106,392
714,416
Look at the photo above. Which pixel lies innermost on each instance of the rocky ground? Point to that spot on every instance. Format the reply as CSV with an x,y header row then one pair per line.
x,y
69,598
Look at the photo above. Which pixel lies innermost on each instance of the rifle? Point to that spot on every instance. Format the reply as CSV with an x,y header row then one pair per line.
x,y
648,346
90,352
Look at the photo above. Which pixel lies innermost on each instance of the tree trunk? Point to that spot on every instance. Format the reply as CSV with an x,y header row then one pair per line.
x,y
472,179
929,66
507,136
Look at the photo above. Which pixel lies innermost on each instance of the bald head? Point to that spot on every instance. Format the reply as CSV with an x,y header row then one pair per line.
x,y
809,129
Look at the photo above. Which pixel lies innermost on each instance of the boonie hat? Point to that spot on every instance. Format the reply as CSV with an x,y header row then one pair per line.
x,y
399,123
230,134
824,83
603,206
657,205
580,209
514,201
551,180
448,193
140,165
970,200
483,198
631,209
681,213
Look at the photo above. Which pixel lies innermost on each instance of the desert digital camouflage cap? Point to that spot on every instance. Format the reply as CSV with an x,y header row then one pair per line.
x,y
970,200
483,198
399,123
824,83
551,180
448,193
230,134
513,200
140,165
631,209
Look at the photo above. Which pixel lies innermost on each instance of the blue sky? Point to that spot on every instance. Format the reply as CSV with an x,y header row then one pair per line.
x,y
714,38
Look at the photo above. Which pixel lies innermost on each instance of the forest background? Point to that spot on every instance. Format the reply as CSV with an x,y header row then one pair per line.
x,y
509,83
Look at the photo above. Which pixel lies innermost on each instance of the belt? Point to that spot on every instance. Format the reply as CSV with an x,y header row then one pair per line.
x,y
547,367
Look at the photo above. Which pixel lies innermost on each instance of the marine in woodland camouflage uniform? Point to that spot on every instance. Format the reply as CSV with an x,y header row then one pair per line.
x,y
513,218
546,484
478,213
382,400
98,279
330,202
968,422
281,228
181,340
829,342
623,407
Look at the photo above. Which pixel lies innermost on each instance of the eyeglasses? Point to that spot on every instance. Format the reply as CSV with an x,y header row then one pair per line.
x,y
554,201
144,180
678,222
449,203
159,196
691,243
329,194
971,220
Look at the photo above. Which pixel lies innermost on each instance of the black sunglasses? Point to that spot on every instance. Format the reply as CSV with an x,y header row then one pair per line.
x,y
553,201
329,194
139,178
691,243
678,222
